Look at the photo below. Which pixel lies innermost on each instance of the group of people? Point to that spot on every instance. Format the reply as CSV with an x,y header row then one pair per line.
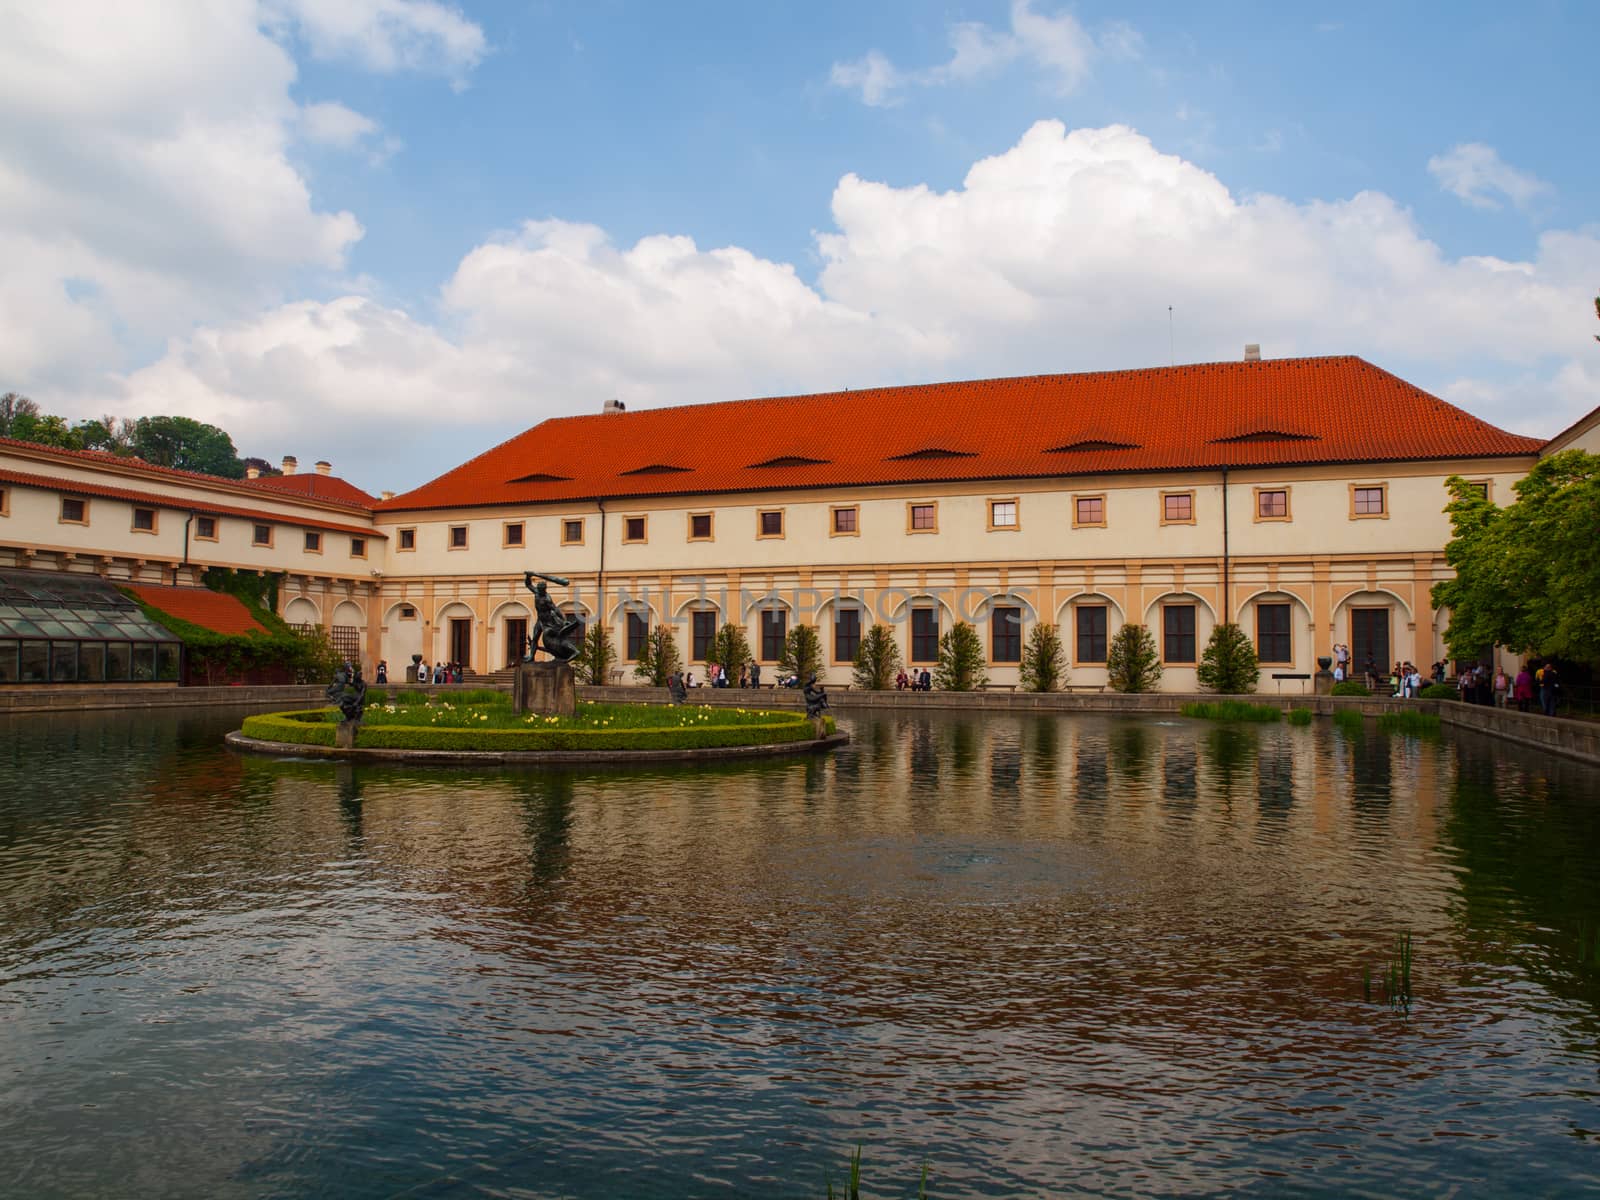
x,y
440,673
1535,682
917,681
717,676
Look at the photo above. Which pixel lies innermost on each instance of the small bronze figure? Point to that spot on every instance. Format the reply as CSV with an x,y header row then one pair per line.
x,y
553,629
349,692
816,698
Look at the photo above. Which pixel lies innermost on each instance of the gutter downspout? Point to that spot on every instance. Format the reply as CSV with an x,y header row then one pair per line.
x,y
1227,614
600,578
187,523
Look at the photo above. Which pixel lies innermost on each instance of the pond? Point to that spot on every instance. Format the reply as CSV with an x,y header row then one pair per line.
x,y
1039,954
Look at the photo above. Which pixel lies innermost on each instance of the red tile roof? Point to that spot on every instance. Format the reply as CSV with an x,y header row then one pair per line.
x,y
1289,411
316,487
216,611
78,487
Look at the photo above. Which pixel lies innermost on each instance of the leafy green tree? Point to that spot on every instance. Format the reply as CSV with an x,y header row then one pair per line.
x,y
961,663
45,429
1044,660
109,433
595,657
659,658
1132,661
187,444
729,649
877,660
1527,576
802,653
13,406
1228,663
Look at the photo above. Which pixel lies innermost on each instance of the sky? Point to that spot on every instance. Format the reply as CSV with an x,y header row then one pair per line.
x,y
393,233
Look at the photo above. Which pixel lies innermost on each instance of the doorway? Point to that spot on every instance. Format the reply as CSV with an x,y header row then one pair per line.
x,y
461,641
1369,638
516,639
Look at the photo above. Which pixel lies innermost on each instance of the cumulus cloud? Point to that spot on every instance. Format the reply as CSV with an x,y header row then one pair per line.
x,y
1062,253
1058,46
383,35
1477,175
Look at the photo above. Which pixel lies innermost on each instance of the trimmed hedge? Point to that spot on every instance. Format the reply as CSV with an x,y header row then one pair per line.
x,y
1439,691
1350,687
312,728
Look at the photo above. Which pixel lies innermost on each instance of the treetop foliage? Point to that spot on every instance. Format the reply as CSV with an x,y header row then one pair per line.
x,y
180,442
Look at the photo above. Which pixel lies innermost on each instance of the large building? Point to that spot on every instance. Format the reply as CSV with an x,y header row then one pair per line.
x,y
1301,498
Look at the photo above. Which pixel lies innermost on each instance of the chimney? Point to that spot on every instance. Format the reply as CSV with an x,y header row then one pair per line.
x,y
386,496
1252,352
252,472
324,467
614,406
290,462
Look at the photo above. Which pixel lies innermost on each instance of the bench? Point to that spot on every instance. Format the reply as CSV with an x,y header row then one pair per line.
x,y
999,687
1084,687
616,678
1280,676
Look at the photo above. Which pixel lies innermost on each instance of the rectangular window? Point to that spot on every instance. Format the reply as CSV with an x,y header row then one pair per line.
x,y
1272,504
638,631
74,511
261,535
1274,643
358,547
313,542
458,537
774,628
1088,511
703,626
700,528
924,635
205,529
846,634
922,518
572,533
5,502
408,539
512,535
144,520
846,521
1005,635
1178,630
1177,508
407,613
633,529
1478,486
1369,501
1002,515
769,524
1091,624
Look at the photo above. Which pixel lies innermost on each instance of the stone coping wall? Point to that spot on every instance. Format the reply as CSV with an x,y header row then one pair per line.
x,y
84,697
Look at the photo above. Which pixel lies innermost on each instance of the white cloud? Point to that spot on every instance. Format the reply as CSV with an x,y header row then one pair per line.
x,y
1476,174
384,35
1062,253
332,124
1058,46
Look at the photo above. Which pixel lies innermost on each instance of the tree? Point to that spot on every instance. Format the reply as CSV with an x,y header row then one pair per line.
x,y
1228,663
729,650
109,433
595,656
13,406
1132,662
659,657
877,660
1044,660
45,429
187,444
802,653
262,466
961,665
1526,576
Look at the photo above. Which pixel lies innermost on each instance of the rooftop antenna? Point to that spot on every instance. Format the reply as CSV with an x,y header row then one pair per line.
x,y
1172,345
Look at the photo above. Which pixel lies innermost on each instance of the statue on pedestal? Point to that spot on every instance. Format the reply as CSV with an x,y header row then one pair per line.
x,y
348,692
553,629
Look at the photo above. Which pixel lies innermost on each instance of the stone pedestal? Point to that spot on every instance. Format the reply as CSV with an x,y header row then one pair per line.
x,y
547,688
1322,681
345,736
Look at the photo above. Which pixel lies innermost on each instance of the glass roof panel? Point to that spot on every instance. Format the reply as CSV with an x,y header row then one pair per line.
x,y
50,604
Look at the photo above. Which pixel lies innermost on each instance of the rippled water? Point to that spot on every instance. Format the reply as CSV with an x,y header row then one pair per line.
x,y
1042,955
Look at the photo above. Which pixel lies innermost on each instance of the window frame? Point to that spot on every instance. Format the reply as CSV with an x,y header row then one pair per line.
x,y
697,651
566,528
1287,634
762,634
1382,489
200,536
1288,504
505,535
255,535
356,540
994,613
911,510
1193,633
1174,494
710,534
81,519
400,539
644,529
1104,635
5,500
1486,483
838,612
911,648
450,543
630,651
761,520
1016,514
155,519
833,520
311,541
1077,498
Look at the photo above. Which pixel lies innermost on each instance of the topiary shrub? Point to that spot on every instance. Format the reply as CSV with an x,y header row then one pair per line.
x,y
961,663
1044,660
877,660
1351,687
1228,664
659,657
1439,691
729,649
802,653
1132,661
595,657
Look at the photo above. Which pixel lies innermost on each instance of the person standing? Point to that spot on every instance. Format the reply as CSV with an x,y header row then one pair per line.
x,y
1522,690
422,671
1549,682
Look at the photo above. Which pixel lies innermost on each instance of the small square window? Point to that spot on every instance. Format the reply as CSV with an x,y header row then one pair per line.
x,y
1479,487
1369,501
1272,504
144,520
633,529
513,534
1002,515
74,511
846,521
1177,508
261,535
572,533
458,537
922,518
205,528
408,539
699,527
358,547
1088,510
313,542
407,613
769,524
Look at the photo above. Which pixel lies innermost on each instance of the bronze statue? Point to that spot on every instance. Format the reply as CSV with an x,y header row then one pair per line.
x,y
349,691
553,629
816,698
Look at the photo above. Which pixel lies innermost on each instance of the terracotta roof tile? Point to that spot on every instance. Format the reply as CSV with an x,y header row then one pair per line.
x,y
1203,416
314,487
216,611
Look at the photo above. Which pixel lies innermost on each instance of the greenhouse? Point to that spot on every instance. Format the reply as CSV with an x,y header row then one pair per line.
x,y
59,628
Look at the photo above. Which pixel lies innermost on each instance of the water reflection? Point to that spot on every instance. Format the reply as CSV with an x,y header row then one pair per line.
x,y
1046,954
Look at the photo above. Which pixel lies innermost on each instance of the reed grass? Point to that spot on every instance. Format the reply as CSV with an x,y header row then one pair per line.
x,y
1348,719
853,1191
1397,980
1414,723
1299,716
1230,710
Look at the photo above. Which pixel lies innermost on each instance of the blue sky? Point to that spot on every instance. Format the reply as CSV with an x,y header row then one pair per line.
x,y
394,232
